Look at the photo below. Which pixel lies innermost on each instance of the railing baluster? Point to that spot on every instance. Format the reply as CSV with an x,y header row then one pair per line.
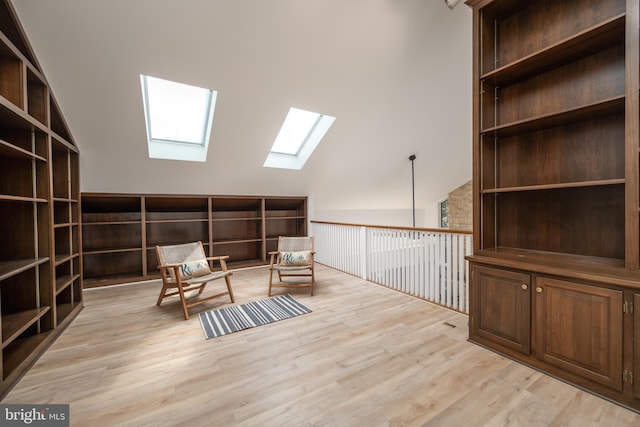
x,y
455,276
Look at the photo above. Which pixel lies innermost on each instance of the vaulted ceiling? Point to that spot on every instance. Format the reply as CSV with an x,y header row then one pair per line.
x,y
396,74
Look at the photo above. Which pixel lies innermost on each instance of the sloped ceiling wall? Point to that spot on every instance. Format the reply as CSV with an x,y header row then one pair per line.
x,y
396,74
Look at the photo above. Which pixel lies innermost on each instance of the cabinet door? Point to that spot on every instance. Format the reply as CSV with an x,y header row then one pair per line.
x,y
636,345
500,308
579,329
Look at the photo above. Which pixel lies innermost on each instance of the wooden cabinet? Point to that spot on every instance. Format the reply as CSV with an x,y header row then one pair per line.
x,y
634,371
120,231
237,229
40,265
66,228
556,187
579,329
550,131
503,304
172,220
112,238
568,328
284,217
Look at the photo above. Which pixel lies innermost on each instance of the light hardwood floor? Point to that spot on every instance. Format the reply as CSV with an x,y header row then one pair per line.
x,y
365,356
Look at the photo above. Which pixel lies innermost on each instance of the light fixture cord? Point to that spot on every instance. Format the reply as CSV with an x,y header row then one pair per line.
x,y
413,190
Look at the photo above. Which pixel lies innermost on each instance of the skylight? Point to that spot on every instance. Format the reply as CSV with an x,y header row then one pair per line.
x,y
300,134
178,118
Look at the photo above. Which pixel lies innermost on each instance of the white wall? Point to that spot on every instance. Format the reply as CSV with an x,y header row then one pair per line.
x,y
432,119
395,74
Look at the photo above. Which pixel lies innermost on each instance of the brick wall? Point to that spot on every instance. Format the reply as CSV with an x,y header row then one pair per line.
x,y
461,208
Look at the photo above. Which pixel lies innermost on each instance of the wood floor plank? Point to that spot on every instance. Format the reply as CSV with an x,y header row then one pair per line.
x,y
366,355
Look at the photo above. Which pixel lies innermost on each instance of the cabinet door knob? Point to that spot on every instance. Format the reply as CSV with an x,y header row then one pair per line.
x,y
524,286
539,289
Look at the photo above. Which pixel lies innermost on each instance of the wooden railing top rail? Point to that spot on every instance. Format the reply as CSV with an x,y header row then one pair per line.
x,y
393,227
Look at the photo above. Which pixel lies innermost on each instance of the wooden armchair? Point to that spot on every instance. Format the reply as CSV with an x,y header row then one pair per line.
x,y
186,267
294,258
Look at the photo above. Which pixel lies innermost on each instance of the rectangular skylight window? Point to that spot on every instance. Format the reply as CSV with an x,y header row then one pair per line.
x,y
301,132
297,127
178,118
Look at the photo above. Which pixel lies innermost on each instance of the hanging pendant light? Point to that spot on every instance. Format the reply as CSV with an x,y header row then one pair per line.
x,y
452,3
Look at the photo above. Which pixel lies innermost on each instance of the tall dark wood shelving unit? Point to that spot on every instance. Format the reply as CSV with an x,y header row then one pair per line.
x,y
555,268
120,231
236,229
40,263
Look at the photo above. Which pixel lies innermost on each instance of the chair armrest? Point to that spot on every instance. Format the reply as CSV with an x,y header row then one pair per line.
x,y
177,264
221,259
273,254
166,276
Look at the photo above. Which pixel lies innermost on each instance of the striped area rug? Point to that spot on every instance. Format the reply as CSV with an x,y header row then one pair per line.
x,y
244,316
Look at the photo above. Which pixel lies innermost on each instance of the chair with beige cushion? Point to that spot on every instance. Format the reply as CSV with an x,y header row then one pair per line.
x,y
294,258
185,268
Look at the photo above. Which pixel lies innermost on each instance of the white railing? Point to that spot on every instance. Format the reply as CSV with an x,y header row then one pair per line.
x,y
426,263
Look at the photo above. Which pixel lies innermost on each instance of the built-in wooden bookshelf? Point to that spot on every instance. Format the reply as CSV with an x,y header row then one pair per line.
x,y
283,219
556,263
40,263
237,229
120,231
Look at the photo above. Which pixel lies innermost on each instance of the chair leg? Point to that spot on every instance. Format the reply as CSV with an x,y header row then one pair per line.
x,y
226,279
313,280
202,287
183,300
270,281
162,292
